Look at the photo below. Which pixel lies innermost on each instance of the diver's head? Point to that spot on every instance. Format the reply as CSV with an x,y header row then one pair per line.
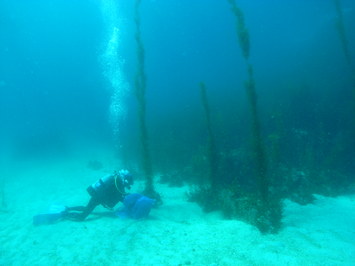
x,y
126,177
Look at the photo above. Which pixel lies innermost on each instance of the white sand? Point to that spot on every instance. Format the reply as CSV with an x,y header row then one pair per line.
x,y
178,233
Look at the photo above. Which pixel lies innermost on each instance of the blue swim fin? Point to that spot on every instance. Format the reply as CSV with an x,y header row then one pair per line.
x,y
54,214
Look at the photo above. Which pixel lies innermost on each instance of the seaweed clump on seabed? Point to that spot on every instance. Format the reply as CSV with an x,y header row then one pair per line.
x,y
260,208
268,207
207,193
140,85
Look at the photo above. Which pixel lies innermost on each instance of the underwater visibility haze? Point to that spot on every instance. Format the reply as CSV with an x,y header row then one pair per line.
x,y
246,104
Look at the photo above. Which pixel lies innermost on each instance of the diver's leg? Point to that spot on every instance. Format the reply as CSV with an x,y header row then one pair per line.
x,y
90,207
76,208
85,211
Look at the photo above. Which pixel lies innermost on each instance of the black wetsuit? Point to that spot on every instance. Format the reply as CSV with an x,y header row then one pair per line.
x,y
107,191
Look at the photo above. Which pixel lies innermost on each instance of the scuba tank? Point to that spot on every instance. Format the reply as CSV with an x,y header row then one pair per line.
x,y
99,187
108,189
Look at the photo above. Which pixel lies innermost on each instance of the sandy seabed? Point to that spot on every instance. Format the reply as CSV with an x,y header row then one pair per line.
x,y
177,233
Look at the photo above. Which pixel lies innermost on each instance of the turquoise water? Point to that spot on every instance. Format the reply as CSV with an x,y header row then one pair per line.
x,y
68,101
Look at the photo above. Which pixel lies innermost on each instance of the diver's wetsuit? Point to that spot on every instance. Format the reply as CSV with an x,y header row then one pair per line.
x,y
107,191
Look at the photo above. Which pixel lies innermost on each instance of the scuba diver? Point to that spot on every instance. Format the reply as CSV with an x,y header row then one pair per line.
x,y
107,191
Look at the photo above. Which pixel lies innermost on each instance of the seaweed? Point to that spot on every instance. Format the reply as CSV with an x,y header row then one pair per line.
x,y
207,193
212,154
268,209
345,45
341,31
140,85
242,31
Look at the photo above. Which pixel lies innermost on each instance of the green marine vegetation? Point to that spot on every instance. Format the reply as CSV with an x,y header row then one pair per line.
x,y
242,31
345,44
207,193
341,30
269,211
140,85
212,156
